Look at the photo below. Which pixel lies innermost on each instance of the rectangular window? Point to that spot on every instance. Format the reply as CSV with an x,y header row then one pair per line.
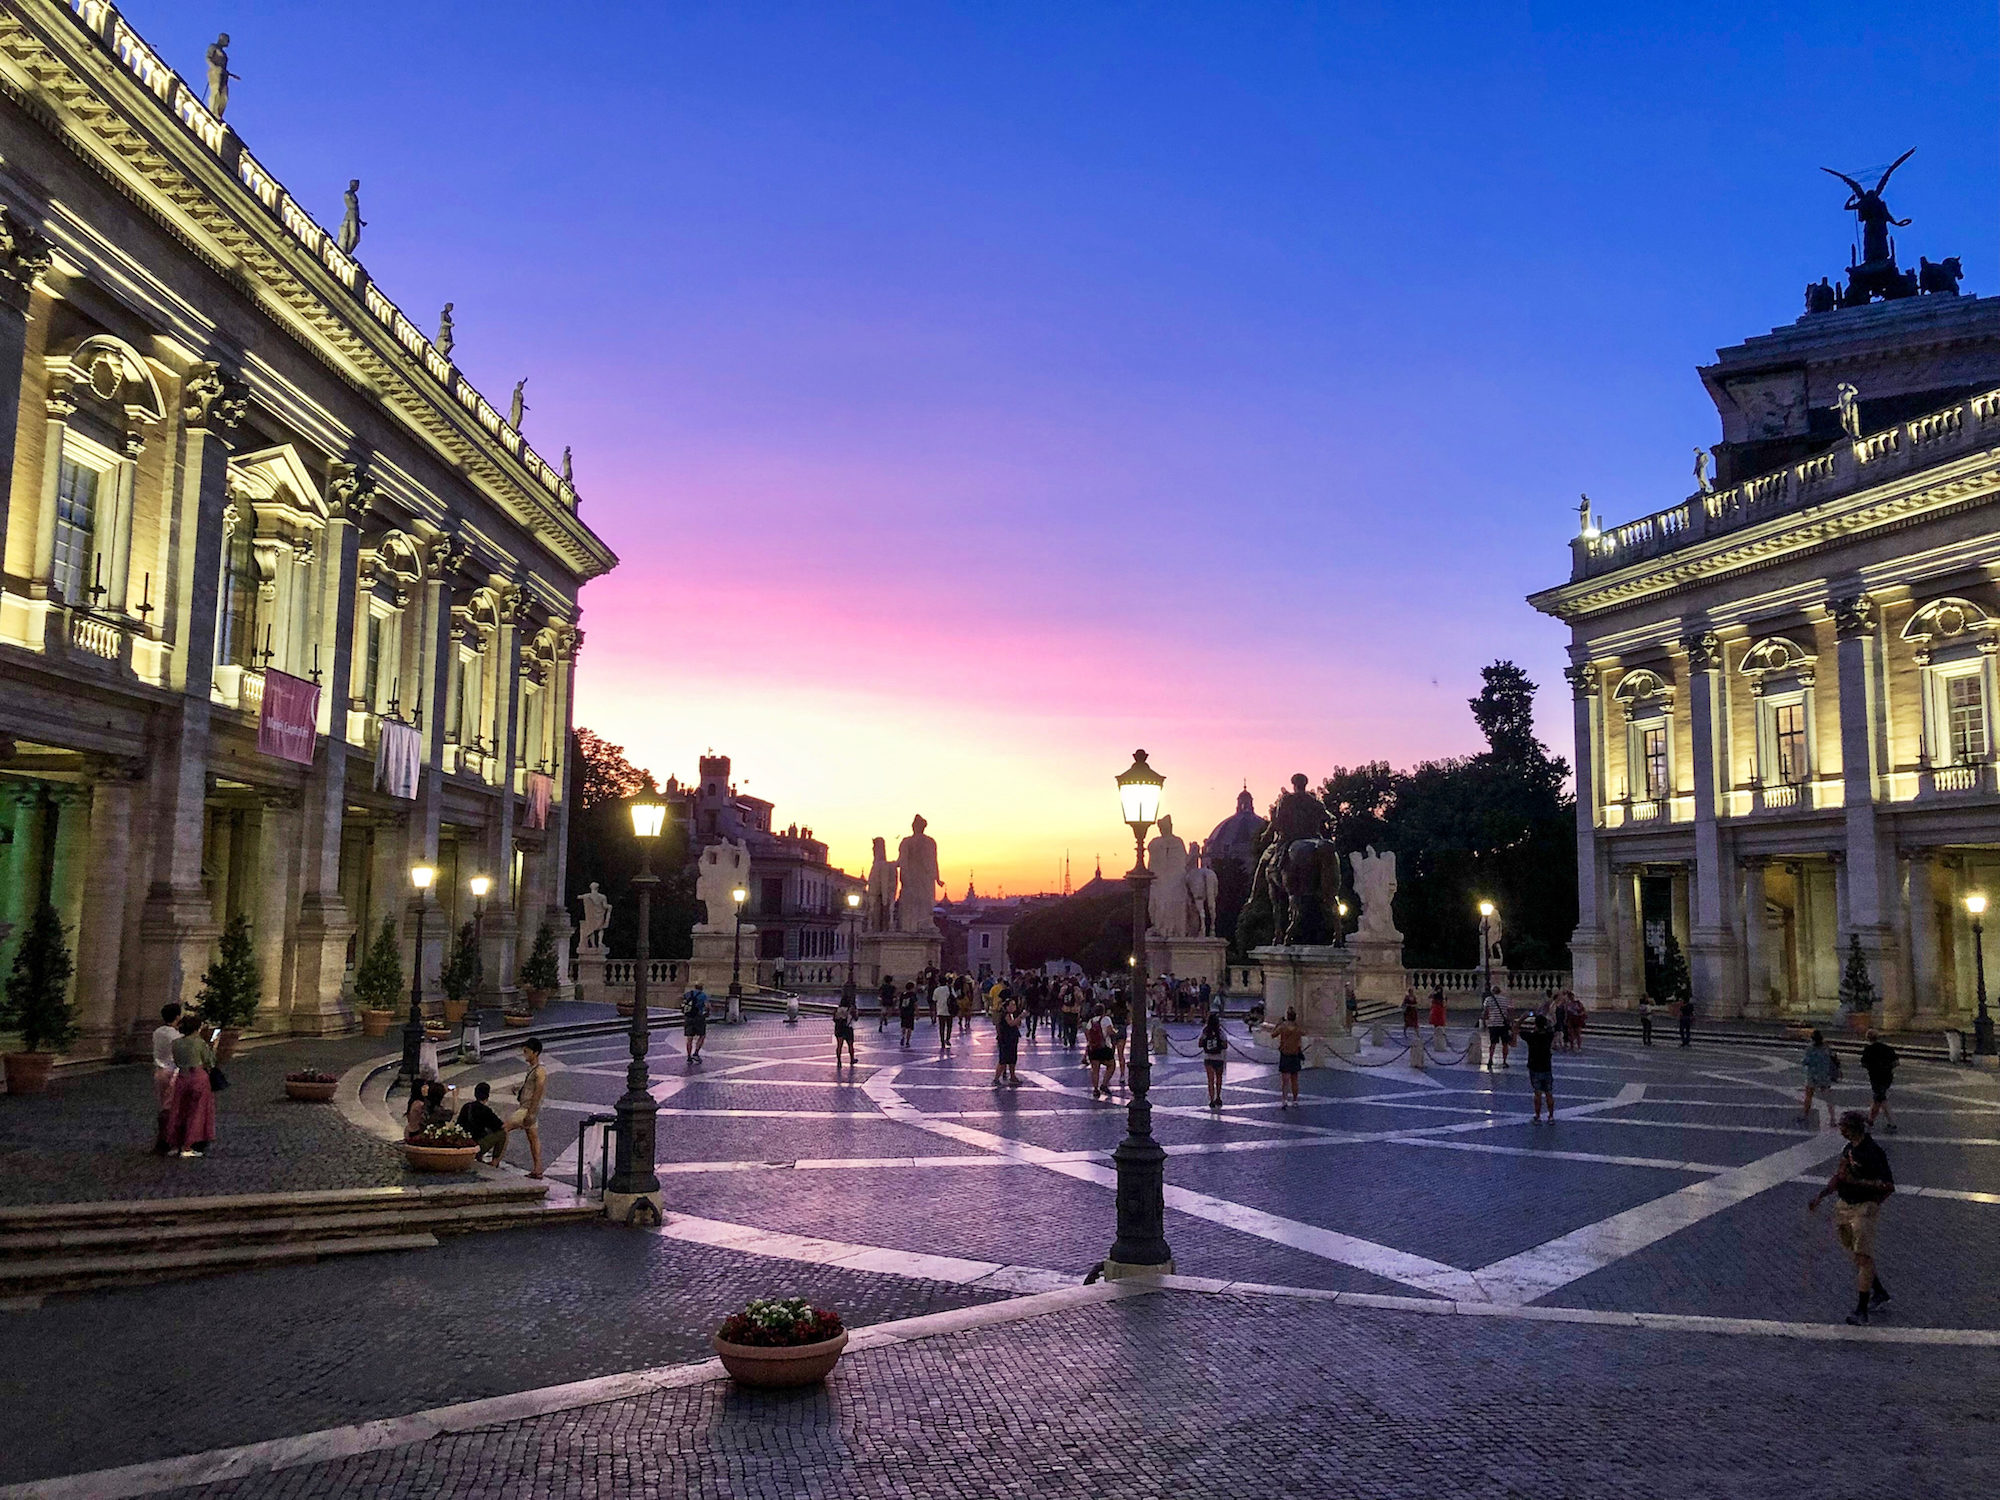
x,y
1653,752
1788,739
76,526
371,671
236,621
1965,710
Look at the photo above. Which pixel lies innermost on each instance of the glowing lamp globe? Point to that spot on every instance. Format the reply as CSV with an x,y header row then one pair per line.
x,y
1976,905
421,876
1139,794
648,818
853,900
739,895
480,884
1486,908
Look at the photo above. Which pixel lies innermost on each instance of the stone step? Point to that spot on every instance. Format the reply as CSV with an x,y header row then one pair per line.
x,y
110,1212
17,1245
70,1273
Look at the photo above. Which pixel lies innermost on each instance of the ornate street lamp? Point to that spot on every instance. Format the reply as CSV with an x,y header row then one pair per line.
x,y
1486,947
634,1182
740,896
421,877
468,1027
1141,1162
1982,1024
853,917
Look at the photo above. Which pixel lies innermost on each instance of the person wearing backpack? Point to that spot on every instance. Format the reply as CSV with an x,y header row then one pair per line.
x,y
694,1021
1214,1056
1822,1073
1098,1054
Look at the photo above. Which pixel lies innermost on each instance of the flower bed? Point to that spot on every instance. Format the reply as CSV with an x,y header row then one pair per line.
x,y
777,1342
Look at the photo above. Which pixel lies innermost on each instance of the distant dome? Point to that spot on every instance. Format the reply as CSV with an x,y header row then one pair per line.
x,y
1235,837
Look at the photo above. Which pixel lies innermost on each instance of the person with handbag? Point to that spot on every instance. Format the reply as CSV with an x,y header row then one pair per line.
x,y
191,1110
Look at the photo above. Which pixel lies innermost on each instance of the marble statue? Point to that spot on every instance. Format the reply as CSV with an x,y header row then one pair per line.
x,y
569,475
917,880
445,339
1203,891
878,914
219,76
1701,480
1850,409
596,917
1167,901
1375,884
1583,516
351,222
723,868
1496,952
518,407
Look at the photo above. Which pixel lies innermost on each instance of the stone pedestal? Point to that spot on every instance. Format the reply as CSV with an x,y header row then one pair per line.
x,y
1310,980
900,955
710,965
1191,958
590,977
1378,967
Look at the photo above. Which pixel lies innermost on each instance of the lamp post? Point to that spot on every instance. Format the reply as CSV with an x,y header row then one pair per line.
x,y
1340,929
421,877
633,1180
853,916
1140,1160
468,1026
1486,947
1982,1024
740,895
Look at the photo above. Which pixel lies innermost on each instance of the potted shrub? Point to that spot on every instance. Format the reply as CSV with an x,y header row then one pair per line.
x,y
230,986
777,1342
441,1148
36,1003
539,975
461,975
311,1085
378,983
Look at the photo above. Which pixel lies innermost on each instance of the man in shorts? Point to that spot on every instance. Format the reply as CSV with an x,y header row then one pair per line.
x,y
1539,1038
1493,1016
528,1112
1878,1061
1291,1040
1862,1182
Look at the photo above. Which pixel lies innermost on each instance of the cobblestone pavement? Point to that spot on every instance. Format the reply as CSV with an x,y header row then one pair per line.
x,y
1675,1182
1220,1396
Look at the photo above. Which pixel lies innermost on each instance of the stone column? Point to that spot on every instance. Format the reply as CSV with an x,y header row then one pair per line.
x,y
1927,1005
1870,858
60,406
107,1025
177,924
501,936
277,850
316,1003
430,661
1591,948
24,862
70,808
1712,957
24,255
1756,941
1631,942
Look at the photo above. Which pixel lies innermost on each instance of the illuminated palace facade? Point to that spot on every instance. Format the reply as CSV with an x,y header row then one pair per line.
x,y
1785,687
236,470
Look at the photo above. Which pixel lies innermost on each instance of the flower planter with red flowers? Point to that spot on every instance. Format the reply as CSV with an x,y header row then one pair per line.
x,y
440,1148
311,1085
775,1343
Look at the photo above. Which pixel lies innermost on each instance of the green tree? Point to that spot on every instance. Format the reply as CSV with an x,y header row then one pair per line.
x,y
462,968
1857,990
230,986
603,774
1675,982
378,983
37,995
540,971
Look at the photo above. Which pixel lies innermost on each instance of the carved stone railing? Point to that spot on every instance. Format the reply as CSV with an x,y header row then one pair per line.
x,y
95,636
1774,796
1473,981
1856,464
1968,777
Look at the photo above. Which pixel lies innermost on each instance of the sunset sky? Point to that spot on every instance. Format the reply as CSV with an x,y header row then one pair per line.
x,y
974,393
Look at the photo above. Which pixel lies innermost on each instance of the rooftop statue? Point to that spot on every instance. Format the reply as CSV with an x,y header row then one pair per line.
x,y
1873,212
219,76
351,222
519,406
1875,273
444,339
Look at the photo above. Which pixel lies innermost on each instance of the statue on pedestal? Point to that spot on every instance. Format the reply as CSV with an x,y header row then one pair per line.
x,y
917,875
1375,884
723,867
596,917
1167,901
1291,874
1203,890
879,914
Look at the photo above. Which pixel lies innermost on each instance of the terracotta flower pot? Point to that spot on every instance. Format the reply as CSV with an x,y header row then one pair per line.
x,y
376,1022
773,1369
537,999
314,1093
514,1018
454,1011
439,1158
225,1042
28,1072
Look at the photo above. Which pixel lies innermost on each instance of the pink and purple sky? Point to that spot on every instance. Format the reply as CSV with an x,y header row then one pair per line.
x,y
976,392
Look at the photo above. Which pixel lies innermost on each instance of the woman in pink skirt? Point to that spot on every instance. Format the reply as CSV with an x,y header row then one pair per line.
x,y
191,1110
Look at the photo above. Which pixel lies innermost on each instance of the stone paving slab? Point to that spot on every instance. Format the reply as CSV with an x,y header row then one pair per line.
x,y
1218,1397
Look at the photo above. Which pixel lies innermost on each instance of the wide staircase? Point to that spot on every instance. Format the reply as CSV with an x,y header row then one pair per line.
x,y
66,1247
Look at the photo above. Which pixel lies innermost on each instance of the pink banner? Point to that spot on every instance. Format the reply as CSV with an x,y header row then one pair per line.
x,y
290,718
539,788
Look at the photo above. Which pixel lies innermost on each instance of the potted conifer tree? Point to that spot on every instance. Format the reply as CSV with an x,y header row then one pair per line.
x,y
230,986
36,1003
378,983
539,975
1857,990
461,975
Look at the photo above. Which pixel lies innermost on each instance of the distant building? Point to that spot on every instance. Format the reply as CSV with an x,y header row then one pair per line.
x,y
1785,685
976,930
